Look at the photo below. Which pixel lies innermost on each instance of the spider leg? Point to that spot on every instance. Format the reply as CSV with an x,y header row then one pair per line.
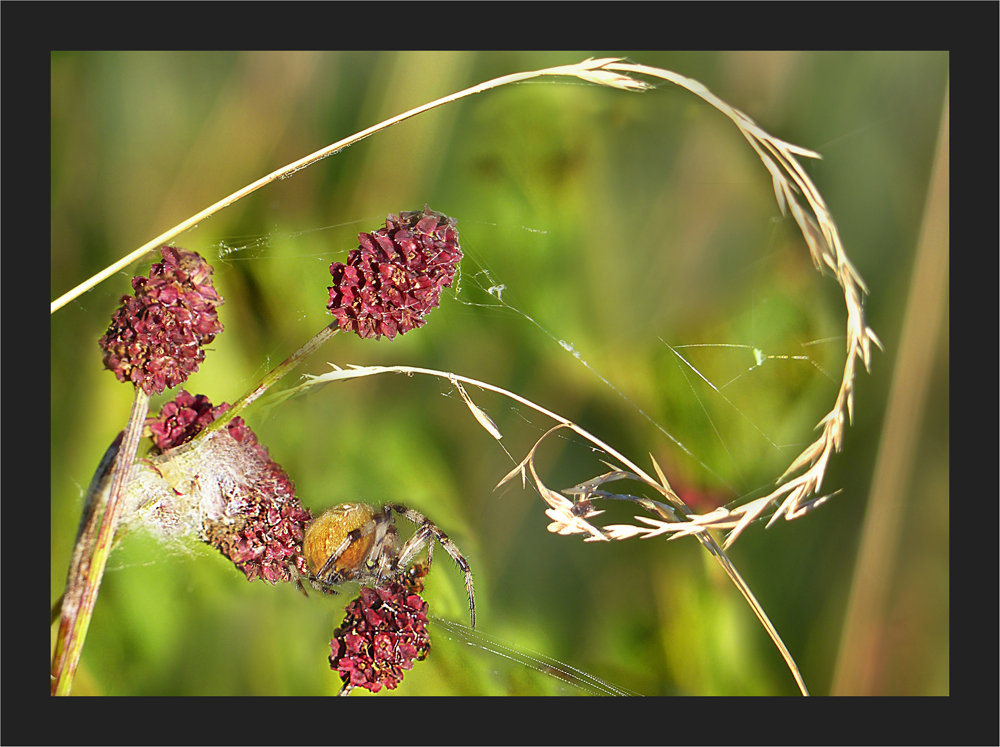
x,y
457,556
327,575
426,533
298,578
301,579
382,558
422,536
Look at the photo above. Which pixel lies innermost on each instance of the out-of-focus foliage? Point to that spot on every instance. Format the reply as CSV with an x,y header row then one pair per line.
x,y
619,223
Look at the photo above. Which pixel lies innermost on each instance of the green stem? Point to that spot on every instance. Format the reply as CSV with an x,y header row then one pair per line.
x,y
90,556
273,376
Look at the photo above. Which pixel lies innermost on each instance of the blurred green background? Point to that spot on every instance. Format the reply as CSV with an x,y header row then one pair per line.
x,y
617,223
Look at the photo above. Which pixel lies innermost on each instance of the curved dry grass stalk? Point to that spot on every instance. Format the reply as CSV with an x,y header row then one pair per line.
x,y
797,495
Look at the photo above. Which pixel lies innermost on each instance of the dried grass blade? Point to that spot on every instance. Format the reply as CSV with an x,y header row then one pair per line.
x,y
477,412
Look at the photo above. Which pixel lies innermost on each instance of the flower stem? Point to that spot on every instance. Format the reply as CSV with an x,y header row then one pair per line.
x,y
273,376
93,546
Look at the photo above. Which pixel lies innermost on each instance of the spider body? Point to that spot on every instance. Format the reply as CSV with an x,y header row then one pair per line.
x,y
360,543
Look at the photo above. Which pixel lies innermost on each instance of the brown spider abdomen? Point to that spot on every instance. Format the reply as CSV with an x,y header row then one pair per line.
x,y
328,531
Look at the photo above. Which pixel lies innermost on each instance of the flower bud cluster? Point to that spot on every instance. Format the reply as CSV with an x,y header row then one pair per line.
x,y
156,336
396,275
384,632
181,419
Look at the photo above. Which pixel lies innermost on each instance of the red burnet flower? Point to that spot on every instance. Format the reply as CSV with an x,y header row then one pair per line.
x,y
261,524
384,632
182,419
395,277
156,336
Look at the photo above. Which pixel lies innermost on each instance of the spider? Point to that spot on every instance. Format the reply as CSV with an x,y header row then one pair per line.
x,y
357,542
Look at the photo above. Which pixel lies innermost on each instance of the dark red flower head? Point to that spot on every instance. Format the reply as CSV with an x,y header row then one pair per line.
x,y
384,632
156,336
182,419
395,277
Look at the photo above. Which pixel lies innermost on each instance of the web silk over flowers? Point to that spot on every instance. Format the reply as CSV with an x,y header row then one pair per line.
x,y
260,523
396,275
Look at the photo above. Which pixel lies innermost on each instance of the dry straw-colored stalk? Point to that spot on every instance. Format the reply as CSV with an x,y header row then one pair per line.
x,y
797,490
98,531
